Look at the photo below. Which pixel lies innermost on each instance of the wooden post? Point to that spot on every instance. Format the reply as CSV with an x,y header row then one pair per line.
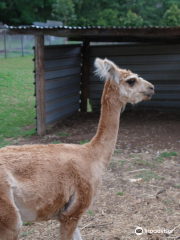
x,y
22,47
85,75
5,54
40,85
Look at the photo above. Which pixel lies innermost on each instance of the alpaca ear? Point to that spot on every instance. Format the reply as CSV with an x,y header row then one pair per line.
x,y
106,69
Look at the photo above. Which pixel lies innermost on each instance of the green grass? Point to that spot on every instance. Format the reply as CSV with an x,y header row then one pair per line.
x,y
27,233
3,143
17,99
26,223
134,155
142,162
89,109
56,142
91,212
83,142
121,162
163,155
168,154
64,134
116,151
148,175
120,193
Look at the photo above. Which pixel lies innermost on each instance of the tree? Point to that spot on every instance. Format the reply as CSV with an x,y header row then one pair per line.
x,y
131,19
2,5
89,13
151,11
169,3
63,10
108,17
25,12
171,17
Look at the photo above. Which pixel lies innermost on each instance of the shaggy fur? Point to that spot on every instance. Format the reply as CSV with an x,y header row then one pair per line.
x,y
42,182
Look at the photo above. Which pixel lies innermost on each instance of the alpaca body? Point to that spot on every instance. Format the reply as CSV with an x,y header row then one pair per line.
x,y
42,182
51,179
61,187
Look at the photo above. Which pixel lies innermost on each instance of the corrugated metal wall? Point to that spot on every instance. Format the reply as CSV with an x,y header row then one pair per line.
x,y
62,80
159,64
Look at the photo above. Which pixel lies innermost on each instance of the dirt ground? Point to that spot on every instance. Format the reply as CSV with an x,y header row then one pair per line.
x,y
141,187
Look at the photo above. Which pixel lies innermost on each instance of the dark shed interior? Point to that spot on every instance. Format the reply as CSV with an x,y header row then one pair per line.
x,y
64,77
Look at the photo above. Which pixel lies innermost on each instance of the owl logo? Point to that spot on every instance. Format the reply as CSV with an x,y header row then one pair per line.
x,y
139,231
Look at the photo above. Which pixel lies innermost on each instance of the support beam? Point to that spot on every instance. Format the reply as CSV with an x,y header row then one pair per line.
x,y
40,85
85,75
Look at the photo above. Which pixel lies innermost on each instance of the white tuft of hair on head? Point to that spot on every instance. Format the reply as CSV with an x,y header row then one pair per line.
x,y
106,69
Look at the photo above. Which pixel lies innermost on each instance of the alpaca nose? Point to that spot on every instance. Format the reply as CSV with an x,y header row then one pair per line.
x,y
151,87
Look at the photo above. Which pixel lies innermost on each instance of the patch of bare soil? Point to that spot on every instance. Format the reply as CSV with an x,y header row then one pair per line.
x,y
138,130
141,187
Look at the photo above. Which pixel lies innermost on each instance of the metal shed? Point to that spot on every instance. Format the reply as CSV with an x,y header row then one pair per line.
x,y
64,77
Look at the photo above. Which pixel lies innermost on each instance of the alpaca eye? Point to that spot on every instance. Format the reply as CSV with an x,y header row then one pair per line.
x,y
131,82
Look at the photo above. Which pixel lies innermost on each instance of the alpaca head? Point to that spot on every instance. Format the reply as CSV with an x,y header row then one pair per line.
x,y
133,88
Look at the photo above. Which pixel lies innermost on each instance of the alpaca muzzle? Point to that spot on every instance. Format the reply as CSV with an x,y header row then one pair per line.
x,y
148,94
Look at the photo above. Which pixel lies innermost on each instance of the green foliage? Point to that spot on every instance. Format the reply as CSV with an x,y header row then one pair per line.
x,y
163,155
116,151
121,162
89,109
92,12
120,193
20,12
168,154
148,175
91,212
27,233
2,5
108,17
56,142
150,11
26,223
171,17
131,19
169,3
83,142
142,162
64,134
63,10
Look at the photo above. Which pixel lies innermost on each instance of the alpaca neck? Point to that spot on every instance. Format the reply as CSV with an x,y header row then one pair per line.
x,y
105,139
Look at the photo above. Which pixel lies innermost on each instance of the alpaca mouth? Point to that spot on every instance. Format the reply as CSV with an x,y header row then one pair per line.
x,y
148,95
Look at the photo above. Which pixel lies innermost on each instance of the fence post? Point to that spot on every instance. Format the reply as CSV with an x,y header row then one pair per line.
x,y
85,75
22,46
5,45
40,85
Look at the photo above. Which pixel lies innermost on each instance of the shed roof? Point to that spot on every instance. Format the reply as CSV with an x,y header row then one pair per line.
x,y
102,33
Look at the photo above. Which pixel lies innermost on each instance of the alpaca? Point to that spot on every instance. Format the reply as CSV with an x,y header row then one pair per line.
x,y
43,182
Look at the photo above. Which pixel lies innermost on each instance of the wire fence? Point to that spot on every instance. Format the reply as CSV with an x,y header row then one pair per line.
x,y
22,45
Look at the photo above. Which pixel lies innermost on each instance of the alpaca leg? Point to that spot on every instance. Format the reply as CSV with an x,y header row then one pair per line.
x,y
70,231
10,220
77,235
